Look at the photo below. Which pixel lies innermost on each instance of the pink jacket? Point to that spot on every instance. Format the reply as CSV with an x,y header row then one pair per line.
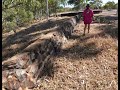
x,y
87,16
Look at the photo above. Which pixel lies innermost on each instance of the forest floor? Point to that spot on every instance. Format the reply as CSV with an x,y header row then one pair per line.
x,y
87,62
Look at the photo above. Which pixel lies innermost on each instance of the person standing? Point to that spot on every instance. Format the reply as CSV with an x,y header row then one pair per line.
x,y
87,17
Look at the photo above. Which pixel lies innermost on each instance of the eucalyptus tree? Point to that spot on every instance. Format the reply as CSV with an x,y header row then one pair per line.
x,y
80,4
110,5
96,4
16,13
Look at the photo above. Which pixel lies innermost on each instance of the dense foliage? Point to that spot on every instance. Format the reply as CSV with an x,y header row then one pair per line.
x,y
80,4
16,13
110,5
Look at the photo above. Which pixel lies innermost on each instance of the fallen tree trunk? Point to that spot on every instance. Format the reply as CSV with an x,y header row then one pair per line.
x,y
23,70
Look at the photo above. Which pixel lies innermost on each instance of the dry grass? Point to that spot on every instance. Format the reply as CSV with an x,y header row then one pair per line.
x,y
86,63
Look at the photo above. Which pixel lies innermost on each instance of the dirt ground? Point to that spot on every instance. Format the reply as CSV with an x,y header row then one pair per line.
x,y
86,62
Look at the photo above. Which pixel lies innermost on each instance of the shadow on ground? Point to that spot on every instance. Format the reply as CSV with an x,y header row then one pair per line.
x,y
105,19
111,30
34,28
90,49
49,69
79,51
24,37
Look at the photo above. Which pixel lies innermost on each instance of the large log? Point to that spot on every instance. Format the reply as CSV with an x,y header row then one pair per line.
x,y
24,69
37,58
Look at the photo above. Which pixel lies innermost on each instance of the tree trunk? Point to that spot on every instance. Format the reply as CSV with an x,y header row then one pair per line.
x,y
47,10
24,69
